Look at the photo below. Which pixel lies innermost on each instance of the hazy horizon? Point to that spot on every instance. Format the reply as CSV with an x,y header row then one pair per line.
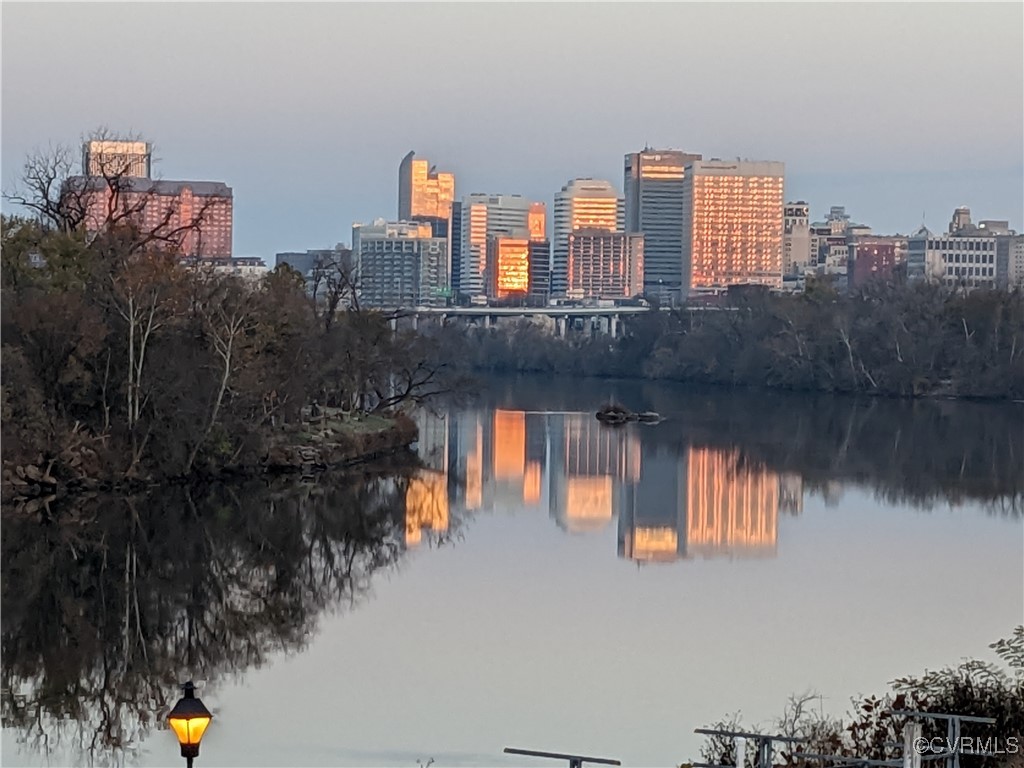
x,y
900,112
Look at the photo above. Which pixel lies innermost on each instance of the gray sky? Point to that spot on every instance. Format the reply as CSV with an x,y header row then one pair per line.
x,y
894,110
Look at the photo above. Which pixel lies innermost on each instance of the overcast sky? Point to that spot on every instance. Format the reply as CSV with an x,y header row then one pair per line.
x,y
897,111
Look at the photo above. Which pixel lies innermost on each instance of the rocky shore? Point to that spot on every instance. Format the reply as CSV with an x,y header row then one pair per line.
x,y
327,441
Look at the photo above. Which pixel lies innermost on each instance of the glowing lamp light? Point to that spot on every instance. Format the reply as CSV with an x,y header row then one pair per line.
x,y
189,720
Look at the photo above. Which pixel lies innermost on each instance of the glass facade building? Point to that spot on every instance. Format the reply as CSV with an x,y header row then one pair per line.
x,y
653,186
592,204
422,191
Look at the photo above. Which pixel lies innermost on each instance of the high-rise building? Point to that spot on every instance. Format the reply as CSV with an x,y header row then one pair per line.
x,y
540,270
117,158
423,193
796,238
508,266
400,264
592,204
653,186
485,216
732,223
455,249
193,218
604,265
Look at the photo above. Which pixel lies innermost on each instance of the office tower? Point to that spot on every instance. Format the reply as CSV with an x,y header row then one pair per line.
x,y
508,266
193,218
423,193
400,264
965,256
796,238
518,268
604,265
116,158
732,223
653,186
592,204
540,270
455,249
485,216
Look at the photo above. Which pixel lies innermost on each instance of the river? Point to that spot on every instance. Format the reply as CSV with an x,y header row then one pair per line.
x,y
541,582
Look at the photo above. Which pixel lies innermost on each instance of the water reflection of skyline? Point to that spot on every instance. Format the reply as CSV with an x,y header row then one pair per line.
x,y
670,500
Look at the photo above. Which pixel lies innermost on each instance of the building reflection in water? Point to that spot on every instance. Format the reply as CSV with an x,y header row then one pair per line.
x,y
671,500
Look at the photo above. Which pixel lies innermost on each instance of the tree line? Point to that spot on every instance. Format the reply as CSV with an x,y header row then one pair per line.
x,y
123,361
892,339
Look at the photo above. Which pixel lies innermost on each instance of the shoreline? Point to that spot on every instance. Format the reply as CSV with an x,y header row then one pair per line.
x,y
299,451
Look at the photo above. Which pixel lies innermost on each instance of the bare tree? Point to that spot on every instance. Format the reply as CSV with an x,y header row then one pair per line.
x,y
228,310
333,284
103,200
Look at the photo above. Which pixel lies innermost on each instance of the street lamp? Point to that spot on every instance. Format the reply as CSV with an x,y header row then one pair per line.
x,y
189,719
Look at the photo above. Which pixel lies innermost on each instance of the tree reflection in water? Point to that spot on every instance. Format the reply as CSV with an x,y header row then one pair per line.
x,y
110,602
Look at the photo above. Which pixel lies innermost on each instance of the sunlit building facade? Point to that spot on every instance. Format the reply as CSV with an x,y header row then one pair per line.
x,y
423,192
483,217
117,159
653,187
400,264
732,223
193,218
591,204
517,268
604,265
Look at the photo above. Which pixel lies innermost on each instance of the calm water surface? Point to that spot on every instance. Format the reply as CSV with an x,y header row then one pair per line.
x,y
544,582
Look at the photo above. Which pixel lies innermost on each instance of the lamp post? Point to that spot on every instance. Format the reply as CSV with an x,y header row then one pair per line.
x,y
189,719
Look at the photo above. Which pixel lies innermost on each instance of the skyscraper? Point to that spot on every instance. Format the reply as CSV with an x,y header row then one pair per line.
x,y
486,216
117,158
653,185
592,204
400,264
604,265
732,223
423,193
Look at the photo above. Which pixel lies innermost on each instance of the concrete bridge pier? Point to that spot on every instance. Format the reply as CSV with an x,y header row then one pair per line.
x,y
560,325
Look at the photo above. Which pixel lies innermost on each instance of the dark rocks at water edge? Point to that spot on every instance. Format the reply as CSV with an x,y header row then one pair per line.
x,y
611,413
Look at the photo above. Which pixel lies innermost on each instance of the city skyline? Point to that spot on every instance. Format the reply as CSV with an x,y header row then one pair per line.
x,y
341,155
